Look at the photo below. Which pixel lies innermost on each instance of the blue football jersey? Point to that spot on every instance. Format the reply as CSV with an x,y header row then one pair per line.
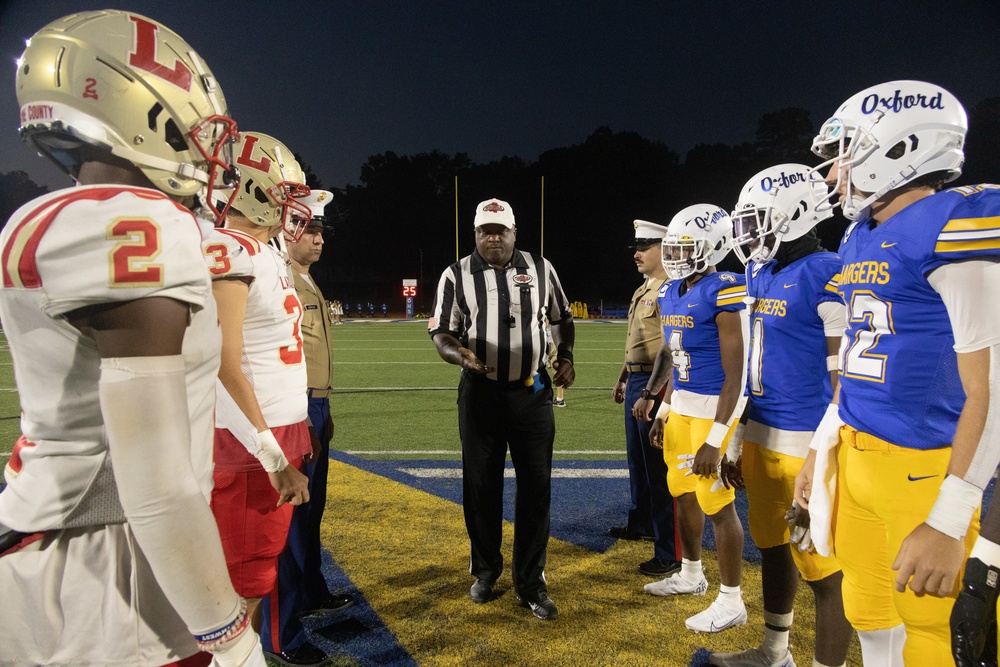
x,y
787,379
690,330
899,371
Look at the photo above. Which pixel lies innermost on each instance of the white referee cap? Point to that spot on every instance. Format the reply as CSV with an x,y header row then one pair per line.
x,y
494,212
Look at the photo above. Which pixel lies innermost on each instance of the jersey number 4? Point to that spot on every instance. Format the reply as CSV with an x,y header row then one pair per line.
x,y
680,359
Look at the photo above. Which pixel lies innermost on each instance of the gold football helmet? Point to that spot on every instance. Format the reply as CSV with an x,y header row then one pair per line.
x,y
119,82
271,185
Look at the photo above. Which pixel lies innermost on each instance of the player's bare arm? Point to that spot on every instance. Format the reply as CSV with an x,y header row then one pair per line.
x,y
706,461
564,336
231,299
451,350
929,561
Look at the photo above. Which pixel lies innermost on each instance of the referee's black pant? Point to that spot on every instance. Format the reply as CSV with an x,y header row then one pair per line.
x,y
491,417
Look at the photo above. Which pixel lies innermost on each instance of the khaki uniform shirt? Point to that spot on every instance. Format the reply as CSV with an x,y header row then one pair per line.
x,y
315,329
645,333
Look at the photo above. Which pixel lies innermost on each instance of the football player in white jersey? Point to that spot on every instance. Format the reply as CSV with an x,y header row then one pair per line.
x,y
262,431
108,310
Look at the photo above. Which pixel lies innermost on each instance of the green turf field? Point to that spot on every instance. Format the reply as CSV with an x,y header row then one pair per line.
x,y
395,397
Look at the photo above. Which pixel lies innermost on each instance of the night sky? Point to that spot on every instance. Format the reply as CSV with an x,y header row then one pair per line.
x,y
340,81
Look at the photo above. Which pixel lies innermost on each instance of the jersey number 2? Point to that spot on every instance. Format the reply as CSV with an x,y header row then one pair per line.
x,y
875,317
132,259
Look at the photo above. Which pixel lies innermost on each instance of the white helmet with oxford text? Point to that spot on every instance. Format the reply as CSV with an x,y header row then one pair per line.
x,y
697,238
888,135
781,203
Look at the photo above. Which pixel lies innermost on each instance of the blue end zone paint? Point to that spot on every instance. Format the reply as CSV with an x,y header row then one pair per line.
x,y
582,509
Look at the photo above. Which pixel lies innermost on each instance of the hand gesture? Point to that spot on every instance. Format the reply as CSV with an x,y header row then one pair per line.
x,y
928,562
471,362
731,473
656,433
798,525
618,393
292,486
564,373
804,480
641,408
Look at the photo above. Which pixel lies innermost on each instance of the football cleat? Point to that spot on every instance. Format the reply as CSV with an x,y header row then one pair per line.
x,y
718,617
675,584
752,657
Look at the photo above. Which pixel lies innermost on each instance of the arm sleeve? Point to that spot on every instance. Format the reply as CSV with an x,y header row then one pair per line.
x,y
166,510
834,316
970,291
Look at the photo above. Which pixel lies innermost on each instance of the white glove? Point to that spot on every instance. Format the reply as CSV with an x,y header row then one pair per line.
x,y
687,463
800,535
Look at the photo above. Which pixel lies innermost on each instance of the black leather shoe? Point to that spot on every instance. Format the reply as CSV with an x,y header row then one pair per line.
x,y
659,567
305,655
543,607
623,533
329,604
481,591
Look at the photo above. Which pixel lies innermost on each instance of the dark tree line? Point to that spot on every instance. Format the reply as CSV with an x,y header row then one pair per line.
x,y
399,221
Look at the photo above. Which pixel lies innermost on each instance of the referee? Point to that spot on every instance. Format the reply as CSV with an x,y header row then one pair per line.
x,y
489,318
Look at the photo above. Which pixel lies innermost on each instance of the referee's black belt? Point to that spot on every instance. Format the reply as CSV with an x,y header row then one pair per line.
x,y
507,385
638,368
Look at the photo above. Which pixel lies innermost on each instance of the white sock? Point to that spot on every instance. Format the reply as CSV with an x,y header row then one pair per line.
x,y
883,648
730,596
775,644
691,570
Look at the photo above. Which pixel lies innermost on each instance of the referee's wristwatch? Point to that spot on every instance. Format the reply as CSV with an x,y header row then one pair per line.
x,y
646,394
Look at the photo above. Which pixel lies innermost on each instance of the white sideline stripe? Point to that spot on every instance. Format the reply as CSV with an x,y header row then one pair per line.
x,y
397,452
557,473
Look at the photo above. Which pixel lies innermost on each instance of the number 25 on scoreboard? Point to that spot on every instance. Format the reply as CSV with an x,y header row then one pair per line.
x,y
409,290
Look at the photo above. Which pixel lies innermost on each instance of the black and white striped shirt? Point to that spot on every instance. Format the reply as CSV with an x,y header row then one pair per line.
x,y
500,314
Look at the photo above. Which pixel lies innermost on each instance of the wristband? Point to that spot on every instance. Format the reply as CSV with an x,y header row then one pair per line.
x,y
956,502
270,454
716,435
831,362
215,639
663,411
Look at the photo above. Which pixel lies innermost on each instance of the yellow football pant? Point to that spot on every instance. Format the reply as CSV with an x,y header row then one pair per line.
x,y
770,481
883,492
685,435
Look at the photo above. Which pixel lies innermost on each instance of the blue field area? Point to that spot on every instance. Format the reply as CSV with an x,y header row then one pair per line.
x,y
582,508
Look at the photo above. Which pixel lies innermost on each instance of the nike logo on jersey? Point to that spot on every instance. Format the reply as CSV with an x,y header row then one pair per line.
x,y
917,479
887,245
692,305
792,285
